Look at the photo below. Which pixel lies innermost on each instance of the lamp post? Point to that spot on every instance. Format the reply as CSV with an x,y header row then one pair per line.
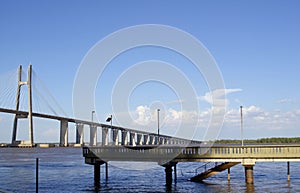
x,y
158,121
93,115
242,129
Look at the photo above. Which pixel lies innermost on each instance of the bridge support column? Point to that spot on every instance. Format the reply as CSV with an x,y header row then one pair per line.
x,y
97,171
166,141
79,134
156,140
168,172
104,136
151,140
288,171
115,136
138,139
124,138
159,140
106,171
175,173
63,133
146,139
132,138
249,174
248,164
97,174
93,135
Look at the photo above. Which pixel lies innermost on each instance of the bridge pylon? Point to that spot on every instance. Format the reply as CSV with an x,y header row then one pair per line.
x,y
18,116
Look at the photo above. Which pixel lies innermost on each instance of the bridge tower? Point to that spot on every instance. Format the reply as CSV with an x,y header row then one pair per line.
x,y
29,116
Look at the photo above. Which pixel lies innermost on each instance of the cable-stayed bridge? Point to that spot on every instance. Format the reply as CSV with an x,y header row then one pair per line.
x,y
126,144
134,137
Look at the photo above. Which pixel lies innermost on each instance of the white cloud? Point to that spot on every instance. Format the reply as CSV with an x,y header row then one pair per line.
x,y
255,117
176,117
218,97
143,115
257,120
286,101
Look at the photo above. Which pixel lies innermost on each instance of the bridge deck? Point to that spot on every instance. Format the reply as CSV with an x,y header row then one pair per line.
x,y
257,153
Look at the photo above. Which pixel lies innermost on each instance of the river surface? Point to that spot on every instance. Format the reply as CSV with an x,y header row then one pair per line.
x,y
63,170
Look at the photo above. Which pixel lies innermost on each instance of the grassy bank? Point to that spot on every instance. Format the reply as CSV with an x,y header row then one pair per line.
x,y
272,140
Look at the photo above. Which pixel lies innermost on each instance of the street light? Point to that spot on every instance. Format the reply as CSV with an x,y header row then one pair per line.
x,y
242,129
109,119
158,121
93,115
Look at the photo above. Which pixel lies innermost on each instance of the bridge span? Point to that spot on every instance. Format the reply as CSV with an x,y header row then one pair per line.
x,y
111,134
169,155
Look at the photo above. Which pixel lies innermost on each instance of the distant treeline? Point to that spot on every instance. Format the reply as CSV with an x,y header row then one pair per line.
x,y
273,140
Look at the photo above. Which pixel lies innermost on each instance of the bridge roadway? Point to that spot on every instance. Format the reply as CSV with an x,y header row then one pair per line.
x,y
195,153
169,155
110,133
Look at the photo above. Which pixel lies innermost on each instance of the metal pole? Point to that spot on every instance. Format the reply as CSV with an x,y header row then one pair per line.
x,y
30,121
37,176
93,115
106,171
242,129
158,121
288,171
175,174
111,121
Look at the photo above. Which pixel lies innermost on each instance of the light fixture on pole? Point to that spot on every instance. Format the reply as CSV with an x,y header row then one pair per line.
x,y
242,129
158,121
109,119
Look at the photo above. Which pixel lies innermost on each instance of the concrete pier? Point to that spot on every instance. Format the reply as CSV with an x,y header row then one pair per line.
x,y
249,174
124,137
63,133
175,173
138,139
288,171
146,139
93,135
104,136
97,174
106,171
168,173
79,134
248,164
132,138
151,140
115,136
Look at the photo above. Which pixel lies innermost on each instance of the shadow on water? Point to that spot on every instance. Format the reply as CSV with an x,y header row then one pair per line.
x,y
171,188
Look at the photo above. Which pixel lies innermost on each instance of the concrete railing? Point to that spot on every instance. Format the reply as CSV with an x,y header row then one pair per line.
x,y
190,154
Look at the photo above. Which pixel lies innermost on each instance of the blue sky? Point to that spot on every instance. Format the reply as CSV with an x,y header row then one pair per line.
x,y
256,45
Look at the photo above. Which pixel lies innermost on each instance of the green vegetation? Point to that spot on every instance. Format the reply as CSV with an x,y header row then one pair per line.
x,y
273,140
